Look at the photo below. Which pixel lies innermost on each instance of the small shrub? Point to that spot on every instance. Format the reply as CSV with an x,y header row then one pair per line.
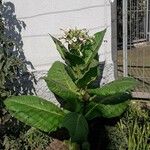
x,y
31,139
132,132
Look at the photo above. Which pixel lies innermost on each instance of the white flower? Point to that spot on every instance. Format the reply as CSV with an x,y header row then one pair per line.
x,y
70,42
64,36
74,39
81,39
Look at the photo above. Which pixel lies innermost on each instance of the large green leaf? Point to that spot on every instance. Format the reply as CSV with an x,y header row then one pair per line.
x,y
70,59
113,99
60,83
118,86
74,60
60,47
77,127
98,42
71,73
107,111
36,112
89,75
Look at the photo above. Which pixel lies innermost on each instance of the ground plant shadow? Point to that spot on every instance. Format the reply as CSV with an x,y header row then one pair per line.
x,y
99,134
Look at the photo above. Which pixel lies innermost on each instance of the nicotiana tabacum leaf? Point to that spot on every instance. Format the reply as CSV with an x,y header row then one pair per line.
x,y
102,110
90,75
36,112
60,47
118,86
60,82
70,59
115,92
95,48
77,127
113,99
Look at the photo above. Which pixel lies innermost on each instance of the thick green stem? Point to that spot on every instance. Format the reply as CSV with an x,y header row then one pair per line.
x,y
86,98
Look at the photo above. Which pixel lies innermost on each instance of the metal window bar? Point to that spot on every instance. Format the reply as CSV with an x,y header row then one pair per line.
x,y
134,58
125,38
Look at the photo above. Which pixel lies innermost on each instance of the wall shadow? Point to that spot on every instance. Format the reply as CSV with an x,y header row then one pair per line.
x,y
24,81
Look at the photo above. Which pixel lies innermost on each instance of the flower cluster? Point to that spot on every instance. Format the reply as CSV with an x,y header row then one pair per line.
x,y
78,40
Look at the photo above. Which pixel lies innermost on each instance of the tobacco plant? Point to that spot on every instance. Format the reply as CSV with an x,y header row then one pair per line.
x,y
72,81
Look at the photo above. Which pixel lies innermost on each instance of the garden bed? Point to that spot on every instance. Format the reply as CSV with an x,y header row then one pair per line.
x,y
114,134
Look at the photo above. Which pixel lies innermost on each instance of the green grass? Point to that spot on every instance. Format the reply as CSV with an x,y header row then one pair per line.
x,y
132,131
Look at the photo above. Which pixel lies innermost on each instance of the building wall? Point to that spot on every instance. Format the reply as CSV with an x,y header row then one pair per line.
x,y
48,16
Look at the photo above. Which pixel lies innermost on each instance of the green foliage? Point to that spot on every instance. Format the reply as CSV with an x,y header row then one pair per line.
x,y
120,86
114,92
72,84
8,64
8,71
35,112
77,127
31,139
61,83
136,128
107,111
12,69
132,132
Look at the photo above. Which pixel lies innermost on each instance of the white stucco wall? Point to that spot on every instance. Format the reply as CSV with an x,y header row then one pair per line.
x,y
48,16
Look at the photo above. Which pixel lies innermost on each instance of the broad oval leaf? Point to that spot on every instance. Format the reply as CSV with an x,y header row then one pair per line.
x,y
107,111
36,112
98,42
77,127
113,99
118,86
60,82
60,47
70,59
114,92
89,75
71,73
74,60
